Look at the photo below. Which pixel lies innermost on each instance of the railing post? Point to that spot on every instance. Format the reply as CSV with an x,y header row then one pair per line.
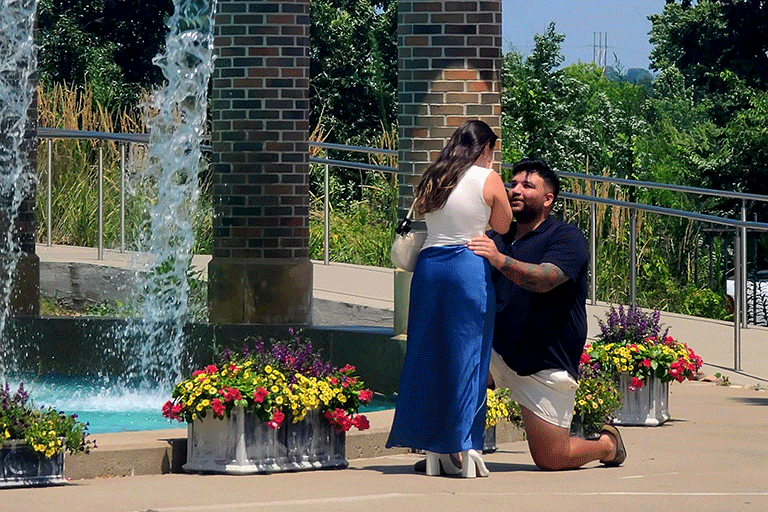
x,y
737,304
326,221
593,244
48,207
743,265
101,201
122,197
633,257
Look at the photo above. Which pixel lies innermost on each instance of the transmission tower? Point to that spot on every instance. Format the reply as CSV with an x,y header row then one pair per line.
x,y
600,49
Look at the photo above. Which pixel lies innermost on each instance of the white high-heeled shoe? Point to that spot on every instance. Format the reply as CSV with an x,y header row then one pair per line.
x,y
472,465
435,460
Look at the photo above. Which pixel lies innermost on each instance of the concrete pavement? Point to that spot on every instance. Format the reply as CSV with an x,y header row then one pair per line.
x,y
712,456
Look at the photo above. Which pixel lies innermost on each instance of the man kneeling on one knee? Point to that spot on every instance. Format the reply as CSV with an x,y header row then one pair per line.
x,y
541,326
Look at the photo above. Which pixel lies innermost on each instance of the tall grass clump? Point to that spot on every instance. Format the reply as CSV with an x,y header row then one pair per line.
x,y
75,171
362,204
671,252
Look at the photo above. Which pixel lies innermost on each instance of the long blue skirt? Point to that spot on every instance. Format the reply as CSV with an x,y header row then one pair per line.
x,y
441,403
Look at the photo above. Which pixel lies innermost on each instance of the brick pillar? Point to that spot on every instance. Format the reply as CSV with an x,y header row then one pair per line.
x,y
260,271
449,70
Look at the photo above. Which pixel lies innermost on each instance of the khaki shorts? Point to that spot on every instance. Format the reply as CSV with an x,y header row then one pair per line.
x,y
549,394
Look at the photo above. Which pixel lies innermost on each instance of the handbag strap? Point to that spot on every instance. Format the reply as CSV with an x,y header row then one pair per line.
x,y
404,226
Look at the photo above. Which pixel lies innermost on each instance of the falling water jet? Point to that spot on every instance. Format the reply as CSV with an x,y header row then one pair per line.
x,y
154,344
17,180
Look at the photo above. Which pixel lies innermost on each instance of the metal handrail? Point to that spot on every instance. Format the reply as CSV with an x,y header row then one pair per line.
x,y
661,186
123,138
740,226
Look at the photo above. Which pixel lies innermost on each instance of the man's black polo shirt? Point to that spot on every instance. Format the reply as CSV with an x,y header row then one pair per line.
x,y
540,331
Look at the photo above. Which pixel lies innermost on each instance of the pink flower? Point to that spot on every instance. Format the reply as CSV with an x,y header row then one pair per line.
x,y
646,363
211,369
584,358
347,368
365,395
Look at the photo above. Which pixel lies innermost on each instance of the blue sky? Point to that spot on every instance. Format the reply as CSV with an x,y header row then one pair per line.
x,y
624,21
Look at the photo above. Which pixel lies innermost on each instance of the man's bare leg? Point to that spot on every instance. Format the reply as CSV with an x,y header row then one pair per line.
x,y
553,448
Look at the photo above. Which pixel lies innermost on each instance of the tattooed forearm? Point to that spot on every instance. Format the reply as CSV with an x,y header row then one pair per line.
x,y
531,277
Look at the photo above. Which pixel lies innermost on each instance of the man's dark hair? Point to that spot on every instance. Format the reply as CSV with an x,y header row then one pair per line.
x,y
541,168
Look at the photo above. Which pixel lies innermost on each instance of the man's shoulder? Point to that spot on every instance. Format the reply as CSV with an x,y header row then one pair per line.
x,y
565,228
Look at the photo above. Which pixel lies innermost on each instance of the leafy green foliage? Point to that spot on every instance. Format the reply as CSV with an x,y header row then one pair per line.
x,y
108,44
353,68
711,36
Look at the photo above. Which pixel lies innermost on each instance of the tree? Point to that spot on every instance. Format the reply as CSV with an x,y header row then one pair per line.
x,y
353,68
568,116
712,36
106,43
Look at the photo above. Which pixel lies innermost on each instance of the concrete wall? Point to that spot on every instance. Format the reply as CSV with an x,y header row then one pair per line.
x,y
87,346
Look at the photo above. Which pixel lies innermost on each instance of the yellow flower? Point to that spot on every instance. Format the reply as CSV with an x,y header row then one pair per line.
x,y
267,369
279,400
274,389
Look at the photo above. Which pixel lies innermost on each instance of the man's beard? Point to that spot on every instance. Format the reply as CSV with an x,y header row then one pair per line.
x,y
526,215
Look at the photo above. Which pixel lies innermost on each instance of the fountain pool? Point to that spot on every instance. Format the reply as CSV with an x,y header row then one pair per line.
x,y
109,407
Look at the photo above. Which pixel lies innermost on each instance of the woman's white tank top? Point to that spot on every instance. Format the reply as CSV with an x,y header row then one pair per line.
x,y
465,214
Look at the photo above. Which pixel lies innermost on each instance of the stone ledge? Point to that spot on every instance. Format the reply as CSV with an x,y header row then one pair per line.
x,y
155,452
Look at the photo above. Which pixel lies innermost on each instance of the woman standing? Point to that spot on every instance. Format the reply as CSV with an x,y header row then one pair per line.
x,y
441,404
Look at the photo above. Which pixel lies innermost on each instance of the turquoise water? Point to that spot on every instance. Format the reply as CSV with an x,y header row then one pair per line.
x,y
109,407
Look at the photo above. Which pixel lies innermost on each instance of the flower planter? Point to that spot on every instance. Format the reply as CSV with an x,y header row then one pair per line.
x,y
243,444
489,440
21,466
646,406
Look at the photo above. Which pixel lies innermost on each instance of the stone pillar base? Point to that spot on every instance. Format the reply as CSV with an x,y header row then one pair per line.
x,y
260,291
25,291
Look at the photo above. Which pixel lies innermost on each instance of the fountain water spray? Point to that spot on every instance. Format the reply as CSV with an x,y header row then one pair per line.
x,y
17,180
177,124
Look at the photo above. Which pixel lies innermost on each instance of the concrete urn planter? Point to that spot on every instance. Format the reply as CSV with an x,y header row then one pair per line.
x,y
243,444
647,406
21,466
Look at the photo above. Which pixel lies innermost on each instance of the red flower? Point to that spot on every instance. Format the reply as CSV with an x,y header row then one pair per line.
x,y
211,369
365,395
218,407
646,363
361,422
347,368
584,358
276,420
166,410
334,380
231,394
635,384
259,395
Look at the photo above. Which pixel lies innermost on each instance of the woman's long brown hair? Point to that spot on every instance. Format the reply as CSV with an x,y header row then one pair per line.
x,y
463,149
